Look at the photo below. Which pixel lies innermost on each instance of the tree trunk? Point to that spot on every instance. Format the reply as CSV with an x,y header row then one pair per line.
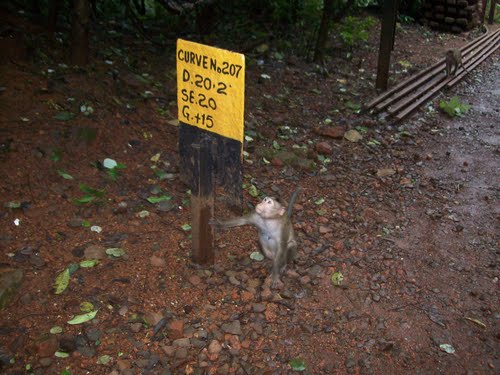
x,y
52,18
324,27
80,33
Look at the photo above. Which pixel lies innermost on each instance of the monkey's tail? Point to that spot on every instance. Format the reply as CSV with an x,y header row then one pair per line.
x,y
292,201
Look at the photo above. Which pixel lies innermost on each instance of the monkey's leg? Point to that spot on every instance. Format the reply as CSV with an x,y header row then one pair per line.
x,y
268,246
279,264
291,251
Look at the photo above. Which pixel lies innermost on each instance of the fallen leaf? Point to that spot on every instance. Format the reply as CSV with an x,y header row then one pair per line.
x,y
79,319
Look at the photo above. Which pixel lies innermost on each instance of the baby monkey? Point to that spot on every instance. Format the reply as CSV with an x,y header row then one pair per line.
x,y
453,60
276,235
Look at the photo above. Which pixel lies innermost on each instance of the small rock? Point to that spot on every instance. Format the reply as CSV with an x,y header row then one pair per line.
x,y
136,327
214,347
324,230
335,132
181,353
75,222
195,280
176,329
157,261
233,327
353,136
67,343
94,252
152,318
10,281
324,148
169,350
123,364
47,346
45,362
87,351
183,342
258,307
123,310
234,281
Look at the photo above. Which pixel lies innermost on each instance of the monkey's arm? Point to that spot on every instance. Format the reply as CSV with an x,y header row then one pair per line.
x,y
249,219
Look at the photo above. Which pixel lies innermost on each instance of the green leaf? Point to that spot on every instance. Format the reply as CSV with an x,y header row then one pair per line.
x,y
65,175
161,174
86,307
56,155
91,191
276,145
162,198
13,204
85,199
297,364
319,201
62,281
64,116
115,252
337,278
79,319
65,372
252,190
186,227
55,330
86,223
103,359
72,268
89,263
257,255
60,354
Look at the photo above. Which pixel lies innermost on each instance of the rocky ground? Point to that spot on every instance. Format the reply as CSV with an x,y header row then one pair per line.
x,y
407,213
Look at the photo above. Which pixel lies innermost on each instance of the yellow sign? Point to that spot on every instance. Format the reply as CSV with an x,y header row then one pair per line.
x,y
210,88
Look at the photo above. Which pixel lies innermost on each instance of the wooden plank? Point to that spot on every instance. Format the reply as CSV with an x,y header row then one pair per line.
x,y
415,96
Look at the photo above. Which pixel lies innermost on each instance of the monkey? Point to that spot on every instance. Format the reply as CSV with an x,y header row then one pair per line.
x,y
453,60
276,235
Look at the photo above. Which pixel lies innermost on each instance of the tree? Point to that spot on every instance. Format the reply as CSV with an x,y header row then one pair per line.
x,y
80,33
333,10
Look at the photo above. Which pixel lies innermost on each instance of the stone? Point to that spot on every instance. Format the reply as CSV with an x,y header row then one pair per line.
x,y
94,252
157,261
176,329
46,346
324,148
214,347
10,281
233,327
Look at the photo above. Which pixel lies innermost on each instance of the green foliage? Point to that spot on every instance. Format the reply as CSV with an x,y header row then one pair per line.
x,y
454,107
90,194
354,30
497,11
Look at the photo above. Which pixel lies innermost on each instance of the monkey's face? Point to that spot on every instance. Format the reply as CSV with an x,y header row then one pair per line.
x,y
269,208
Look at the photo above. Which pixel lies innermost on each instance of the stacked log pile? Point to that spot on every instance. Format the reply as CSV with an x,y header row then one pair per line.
x,y
452,15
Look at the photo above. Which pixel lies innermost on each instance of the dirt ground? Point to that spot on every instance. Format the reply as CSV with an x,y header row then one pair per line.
x,y
408,215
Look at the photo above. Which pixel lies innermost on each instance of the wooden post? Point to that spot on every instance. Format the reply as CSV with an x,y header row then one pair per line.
x,y
202,204
386,43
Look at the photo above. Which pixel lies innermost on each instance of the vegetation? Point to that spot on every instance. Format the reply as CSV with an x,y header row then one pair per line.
x,y
454,107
